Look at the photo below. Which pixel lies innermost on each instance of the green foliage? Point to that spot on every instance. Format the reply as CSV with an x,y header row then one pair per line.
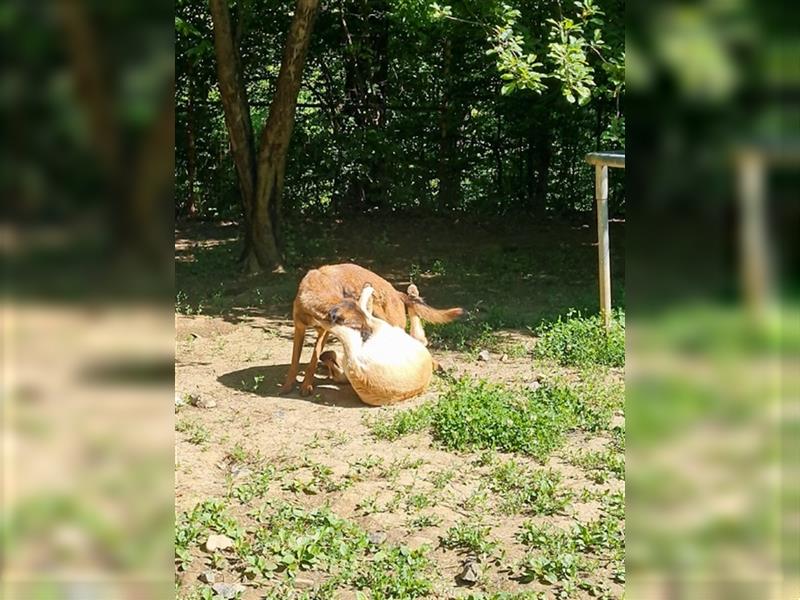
x,y
195,432
470,537
517,69
363,143
286,540
191,526
561,556
256,487
601,465
554,557
523,489
478,415
400,423
423,521
583,341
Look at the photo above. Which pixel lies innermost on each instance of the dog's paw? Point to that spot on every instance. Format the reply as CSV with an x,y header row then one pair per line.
x,y
286,387
305,390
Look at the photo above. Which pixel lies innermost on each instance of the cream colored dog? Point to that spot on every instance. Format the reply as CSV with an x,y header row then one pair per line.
x,y
386,367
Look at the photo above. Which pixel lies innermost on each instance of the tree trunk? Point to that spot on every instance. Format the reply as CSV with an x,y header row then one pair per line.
x,y
275,138
261,180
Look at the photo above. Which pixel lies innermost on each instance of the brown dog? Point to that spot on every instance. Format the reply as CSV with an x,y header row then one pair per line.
x,y
329,296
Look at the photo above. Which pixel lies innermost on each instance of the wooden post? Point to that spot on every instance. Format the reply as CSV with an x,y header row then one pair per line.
x,y
754,261
603,250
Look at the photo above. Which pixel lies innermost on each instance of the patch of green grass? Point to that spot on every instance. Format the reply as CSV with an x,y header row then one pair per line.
x,y
470,537
190,526
289,540
195,432
466,335
507,596
559,556
399,423
600,465
582,341
440,479
478,415
553,558
321,480
367,505
534,491
394,468
477,500
364,466
423,521
418,501
256,487
183,306
239,455
605,534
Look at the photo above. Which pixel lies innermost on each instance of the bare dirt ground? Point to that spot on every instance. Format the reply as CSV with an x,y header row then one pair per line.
x,y
321,449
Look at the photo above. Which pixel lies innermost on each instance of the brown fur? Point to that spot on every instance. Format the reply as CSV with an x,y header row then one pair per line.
x,y
338,287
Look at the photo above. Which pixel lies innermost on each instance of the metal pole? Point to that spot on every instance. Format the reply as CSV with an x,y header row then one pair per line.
x,y
603,246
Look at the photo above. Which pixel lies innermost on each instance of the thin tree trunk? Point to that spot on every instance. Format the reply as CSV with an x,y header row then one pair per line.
x,y
275,137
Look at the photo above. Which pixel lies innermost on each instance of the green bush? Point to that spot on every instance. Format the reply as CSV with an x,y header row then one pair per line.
x,y
582,341
477,415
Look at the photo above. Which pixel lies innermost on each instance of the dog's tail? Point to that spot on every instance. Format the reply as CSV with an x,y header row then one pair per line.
x,y
427,313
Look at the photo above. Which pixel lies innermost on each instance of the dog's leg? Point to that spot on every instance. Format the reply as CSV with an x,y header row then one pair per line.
x,y
415,328
297,349
308,380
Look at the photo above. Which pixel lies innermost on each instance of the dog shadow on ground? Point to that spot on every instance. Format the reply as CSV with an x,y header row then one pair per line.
x,y
266,381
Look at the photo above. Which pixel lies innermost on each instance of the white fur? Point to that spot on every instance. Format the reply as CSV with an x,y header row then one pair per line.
x,y
390,366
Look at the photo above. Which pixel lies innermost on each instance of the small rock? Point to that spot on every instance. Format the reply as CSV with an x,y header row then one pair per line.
x,y
471,572
483,355
227,591
218,542
205,403
618,421
504,358
239,471
303,583
208,577
179,400
376,537
534,385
